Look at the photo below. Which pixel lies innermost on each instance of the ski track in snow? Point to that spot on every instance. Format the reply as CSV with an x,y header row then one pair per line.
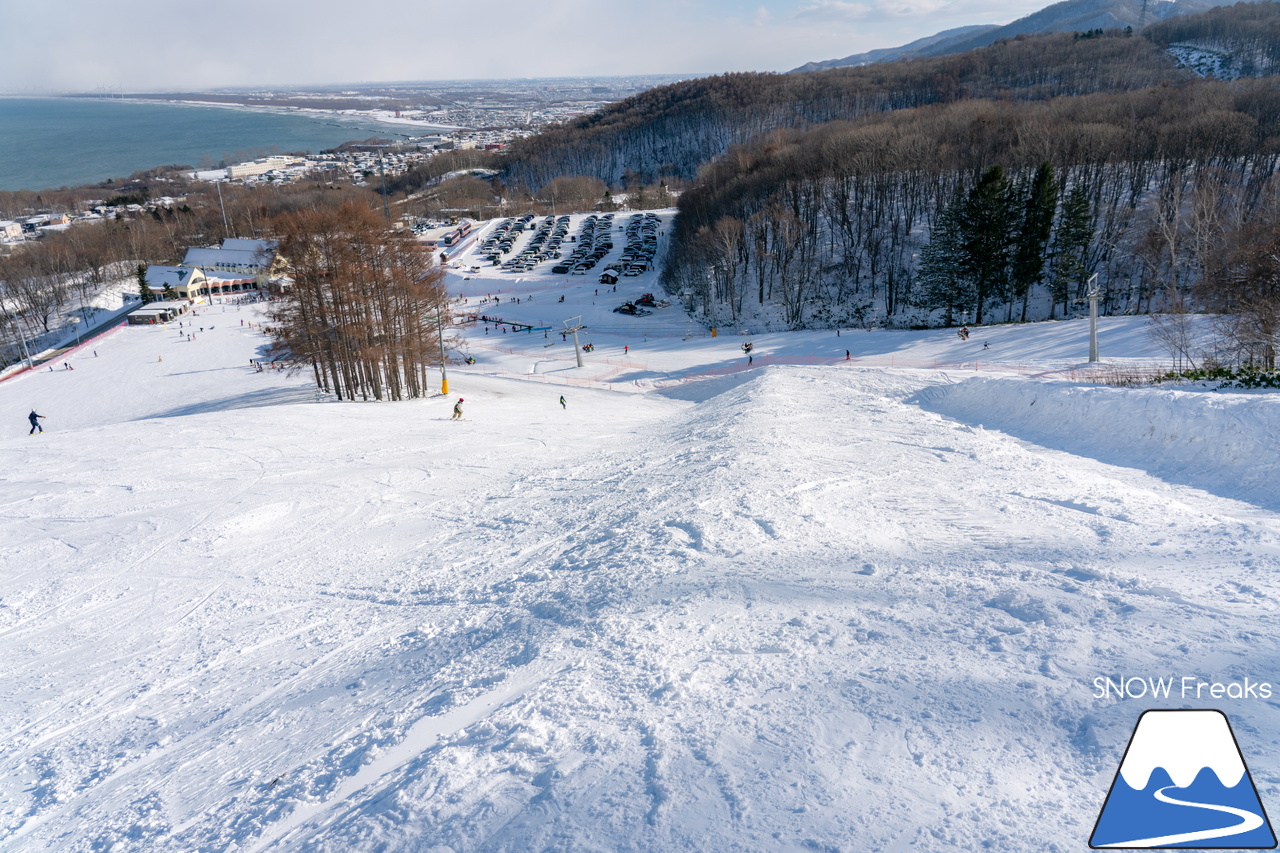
x,y
791,609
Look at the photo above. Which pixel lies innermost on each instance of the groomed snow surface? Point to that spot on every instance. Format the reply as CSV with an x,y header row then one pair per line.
x,y
829,606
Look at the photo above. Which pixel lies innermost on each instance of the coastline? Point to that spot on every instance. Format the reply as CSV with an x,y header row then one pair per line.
x,y
378,116
56,154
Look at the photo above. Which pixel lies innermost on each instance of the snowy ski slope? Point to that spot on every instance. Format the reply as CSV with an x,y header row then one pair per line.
x,y
797,607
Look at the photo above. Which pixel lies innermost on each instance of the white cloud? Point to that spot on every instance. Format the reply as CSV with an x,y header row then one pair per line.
x,y
841,11
833,10
166,45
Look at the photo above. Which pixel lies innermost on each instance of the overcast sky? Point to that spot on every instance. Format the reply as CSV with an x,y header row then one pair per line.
x,y
166,45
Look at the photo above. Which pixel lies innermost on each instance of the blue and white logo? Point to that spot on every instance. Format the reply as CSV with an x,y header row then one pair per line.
x,y
1183,783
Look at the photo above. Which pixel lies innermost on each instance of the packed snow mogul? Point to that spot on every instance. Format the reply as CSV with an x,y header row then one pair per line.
x,y
35,422
457,410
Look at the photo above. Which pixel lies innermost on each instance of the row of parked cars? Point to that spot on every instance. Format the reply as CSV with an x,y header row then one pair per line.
x,y
642,244
503,237
594,241
543,246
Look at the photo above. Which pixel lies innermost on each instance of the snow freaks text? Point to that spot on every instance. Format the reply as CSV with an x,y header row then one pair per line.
x,y
1178,687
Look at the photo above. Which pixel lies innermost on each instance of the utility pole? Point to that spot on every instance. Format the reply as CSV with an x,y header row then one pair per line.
x,y
1092,296
382,169
573,326
444,377
225,227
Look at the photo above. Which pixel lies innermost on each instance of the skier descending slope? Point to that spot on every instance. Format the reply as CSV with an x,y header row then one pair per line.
x,y
35,422
457,410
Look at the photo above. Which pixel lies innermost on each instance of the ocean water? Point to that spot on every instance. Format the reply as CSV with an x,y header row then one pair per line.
x,y
55,142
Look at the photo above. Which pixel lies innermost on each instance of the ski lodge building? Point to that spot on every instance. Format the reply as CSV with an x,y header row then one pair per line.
x,y
237,265
190,284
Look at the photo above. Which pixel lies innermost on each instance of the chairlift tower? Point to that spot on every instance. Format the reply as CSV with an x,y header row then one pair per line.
x,y
1092,295
22,337
574,325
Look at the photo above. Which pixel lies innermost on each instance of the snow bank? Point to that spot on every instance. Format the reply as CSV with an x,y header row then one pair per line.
x,y
1220,442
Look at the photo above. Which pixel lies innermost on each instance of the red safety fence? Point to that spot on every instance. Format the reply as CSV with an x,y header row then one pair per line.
x,y
1110,374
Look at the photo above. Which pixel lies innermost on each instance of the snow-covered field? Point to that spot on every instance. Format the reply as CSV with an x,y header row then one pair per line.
x,y
830,606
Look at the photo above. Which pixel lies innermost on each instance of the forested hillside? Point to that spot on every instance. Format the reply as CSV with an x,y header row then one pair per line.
x,y
991,185
983,210
1246,35
673,130
1068,16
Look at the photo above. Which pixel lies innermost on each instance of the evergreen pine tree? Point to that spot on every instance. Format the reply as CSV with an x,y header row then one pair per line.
x,y
144,289
985,226
942,278
1071,245
1027,268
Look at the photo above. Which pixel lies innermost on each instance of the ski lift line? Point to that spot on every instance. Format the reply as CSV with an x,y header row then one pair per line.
x,y
552,379
620,363
891,362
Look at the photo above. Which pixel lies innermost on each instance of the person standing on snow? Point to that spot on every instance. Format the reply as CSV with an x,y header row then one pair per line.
x,y
457,410
35,422
562,402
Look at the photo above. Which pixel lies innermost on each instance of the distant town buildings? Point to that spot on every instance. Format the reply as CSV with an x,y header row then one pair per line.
x,y
261,166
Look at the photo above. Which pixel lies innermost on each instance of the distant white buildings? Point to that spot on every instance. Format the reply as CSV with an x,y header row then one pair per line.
x,y
262,166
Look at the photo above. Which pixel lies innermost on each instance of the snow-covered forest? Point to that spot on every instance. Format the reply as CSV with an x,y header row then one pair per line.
x,y
980,210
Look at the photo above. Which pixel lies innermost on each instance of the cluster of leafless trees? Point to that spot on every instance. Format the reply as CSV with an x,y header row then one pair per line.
x,y
365,306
